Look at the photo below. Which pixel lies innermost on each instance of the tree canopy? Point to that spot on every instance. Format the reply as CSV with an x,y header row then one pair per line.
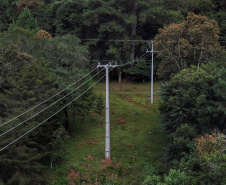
x,y
192,42
46,45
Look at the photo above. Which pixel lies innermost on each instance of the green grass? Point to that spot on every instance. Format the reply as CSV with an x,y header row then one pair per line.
x,y
137,142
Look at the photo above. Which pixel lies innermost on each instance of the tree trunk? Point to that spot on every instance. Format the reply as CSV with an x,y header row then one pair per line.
x,y
133,31
99,121
82,117
51,164
119,74
66,121
73,123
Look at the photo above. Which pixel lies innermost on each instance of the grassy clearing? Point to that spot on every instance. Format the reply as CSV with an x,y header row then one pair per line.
x,y
137,141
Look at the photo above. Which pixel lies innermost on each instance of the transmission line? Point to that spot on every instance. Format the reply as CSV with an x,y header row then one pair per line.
x,y
51,115
115,40
127,40
140,58
133,61
48,106
46,99
108,60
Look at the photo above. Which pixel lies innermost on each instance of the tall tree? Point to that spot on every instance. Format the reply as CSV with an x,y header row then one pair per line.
x,y
7,14
67,61
106,22
30,66
191,42
195,6
99,106
22,163
188,98
26,21
31,4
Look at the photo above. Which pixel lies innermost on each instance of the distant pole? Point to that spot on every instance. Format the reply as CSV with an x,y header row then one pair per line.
x,y
107,114
152,69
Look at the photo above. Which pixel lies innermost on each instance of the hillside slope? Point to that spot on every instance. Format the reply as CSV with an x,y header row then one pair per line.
x,y
137,141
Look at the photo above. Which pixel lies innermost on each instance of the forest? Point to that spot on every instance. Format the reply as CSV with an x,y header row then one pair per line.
x,y
51,90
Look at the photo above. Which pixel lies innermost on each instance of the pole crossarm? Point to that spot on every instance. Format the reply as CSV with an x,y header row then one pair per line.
x,y
108,65
150,51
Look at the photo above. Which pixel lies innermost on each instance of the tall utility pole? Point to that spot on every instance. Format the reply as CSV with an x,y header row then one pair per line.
x,y
152,67
107,116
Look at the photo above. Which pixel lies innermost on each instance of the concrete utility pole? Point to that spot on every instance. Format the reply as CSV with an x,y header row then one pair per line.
x,y
152,67
107,116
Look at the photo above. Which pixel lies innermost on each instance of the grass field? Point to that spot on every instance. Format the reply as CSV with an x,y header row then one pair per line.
x,y
137,140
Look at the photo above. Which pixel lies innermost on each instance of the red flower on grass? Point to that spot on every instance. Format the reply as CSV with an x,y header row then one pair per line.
x,y
89,158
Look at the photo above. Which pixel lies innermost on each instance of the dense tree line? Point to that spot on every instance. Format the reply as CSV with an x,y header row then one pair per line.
x,y
34,67
46,45
192,42
193,116
113,20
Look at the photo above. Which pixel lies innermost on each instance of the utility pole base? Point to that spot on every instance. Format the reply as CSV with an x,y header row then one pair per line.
x,y
107,159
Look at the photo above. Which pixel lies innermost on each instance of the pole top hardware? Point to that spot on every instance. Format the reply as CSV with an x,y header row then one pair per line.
x,y
151,44
108,65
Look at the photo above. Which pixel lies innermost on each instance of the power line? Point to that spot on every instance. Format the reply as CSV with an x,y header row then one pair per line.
x,y
127,40
110,60
48,106
143,56
133,61
115,40
51,115
128,61
47,99
96,60
174,41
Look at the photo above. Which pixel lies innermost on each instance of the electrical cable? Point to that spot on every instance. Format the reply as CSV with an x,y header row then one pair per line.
x,y
59,99
54,113
140,58
51,115
115,40
126,40
143,57
48,106
53,97
46,99
97,60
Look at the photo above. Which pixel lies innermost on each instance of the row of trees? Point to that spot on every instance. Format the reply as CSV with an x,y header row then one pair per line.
x,y
194,117
192,42
193,100
41,53
33,67
105,22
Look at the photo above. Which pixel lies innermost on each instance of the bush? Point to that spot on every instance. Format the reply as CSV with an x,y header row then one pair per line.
x,y
175,177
